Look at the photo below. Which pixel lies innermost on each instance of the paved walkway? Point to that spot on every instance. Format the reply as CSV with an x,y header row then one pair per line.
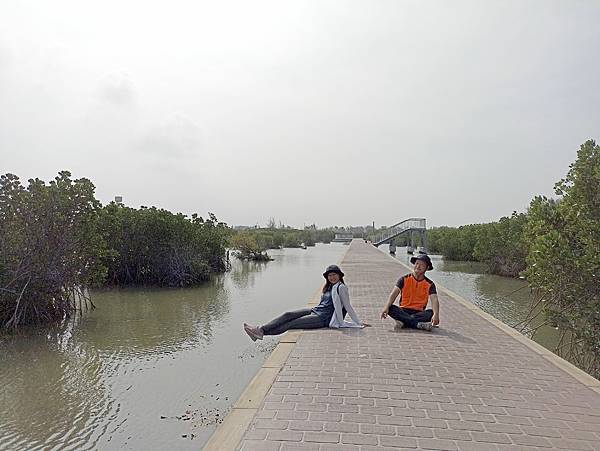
x,y
468,385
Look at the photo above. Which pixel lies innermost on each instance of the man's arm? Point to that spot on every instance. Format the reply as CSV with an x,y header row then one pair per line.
x,y
393,295
435,306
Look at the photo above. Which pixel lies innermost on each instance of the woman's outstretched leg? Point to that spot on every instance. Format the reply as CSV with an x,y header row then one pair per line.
x,y
310,321
276,325
278,322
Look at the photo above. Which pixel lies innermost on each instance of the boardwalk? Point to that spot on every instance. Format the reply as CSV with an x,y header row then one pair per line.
x,y
469,385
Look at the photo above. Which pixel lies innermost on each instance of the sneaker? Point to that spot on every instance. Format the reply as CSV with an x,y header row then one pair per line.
x,y
425,326
255,333
249,333
399,324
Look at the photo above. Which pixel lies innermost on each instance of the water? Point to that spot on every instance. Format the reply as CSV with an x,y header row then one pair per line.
x,y
150,369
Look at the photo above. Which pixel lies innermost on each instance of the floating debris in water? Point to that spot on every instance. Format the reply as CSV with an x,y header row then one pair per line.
x,y
201,417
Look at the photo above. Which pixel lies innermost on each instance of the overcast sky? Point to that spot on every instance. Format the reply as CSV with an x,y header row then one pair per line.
x,y
333,113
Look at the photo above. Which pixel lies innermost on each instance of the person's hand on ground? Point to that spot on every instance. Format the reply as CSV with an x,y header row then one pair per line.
x,y
384,313
366,325
435,320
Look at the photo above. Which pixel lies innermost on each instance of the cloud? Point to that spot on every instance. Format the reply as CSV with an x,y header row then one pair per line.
x,y
177,136
117,89
5,67
5,57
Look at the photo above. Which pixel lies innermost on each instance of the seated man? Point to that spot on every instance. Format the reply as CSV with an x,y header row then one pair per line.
x,y
415,290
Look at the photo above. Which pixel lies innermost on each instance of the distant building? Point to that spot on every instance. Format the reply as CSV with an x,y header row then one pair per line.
x,y
343,237
118,199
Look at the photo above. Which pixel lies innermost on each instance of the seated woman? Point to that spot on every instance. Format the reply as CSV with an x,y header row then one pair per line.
x,y
335,302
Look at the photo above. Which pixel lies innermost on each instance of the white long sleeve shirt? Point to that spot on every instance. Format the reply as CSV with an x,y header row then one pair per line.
x,y
341,299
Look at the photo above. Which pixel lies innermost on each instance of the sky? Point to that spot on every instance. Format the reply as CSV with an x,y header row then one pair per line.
x,y
308,112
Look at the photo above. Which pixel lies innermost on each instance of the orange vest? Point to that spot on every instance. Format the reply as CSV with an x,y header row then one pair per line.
x,y
415,293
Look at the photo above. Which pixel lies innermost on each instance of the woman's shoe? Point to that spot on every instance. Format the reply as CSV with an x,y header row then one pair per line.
x,y
255,333
249,334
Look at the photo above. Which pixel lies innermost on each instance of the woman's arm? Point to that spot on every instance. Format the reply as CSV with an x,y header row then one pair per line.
x,y
338,316
345,297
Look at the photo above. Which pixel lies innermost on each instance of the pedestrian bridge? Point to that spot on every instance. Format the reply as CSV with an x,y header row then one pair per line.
x,y
412,227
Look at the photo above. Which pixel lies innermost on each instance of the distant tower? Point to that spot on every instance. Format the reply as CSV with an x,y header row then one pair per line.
x,y
118,199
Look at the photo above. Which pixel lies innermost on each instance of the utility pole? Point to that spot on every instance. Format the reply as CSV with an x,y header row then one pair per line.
x,y
374,236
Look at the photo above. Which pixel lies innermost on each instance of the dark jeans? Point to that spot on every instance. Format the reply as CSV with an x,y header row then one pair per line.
x,y
410,317
298,319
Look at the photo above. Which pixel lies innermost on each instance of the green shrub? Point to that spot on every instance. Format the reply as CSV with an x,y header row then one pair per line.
x,y
153,246
50,248
564,259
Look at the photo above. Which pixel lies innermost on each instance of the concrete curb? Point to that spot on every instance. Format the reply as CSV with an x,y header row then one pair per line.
x,y
230,432
580,375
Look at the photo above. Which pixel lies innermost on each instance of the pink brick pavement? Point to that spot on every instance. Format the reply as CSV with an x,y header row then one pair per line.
x,y
466,386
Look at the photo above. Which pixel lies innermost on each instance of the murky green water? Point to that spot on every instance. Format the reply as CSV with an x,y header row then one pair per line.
x,y
150,369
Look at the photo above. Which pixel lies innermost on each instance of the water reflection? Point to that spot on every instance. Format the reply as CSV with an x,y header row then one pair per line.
x,y
244,273
31,378
456,266
64,383
135,323
509,299
148,369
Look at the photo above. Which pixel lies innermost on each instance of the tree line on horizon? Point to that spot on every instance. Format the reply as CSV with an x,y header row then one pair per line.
x,y
253,244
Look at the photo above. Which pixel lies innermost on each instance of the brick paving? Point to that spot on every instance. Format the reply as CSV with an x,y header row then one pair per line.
x,y
466,386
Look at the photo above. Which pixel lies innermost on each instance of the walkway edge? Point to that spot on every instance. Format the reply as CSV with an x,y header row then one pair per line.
x,y
583,377
580,375
230,432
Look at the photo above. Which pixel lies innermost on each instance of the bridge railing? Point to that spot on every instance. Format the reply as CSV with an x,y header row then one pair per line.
x,y
397,229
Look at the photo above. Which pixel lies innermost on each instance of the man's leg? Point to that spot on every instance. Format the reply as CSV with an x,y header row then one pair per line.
x,y
424,320
401,315
310,321
424,316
